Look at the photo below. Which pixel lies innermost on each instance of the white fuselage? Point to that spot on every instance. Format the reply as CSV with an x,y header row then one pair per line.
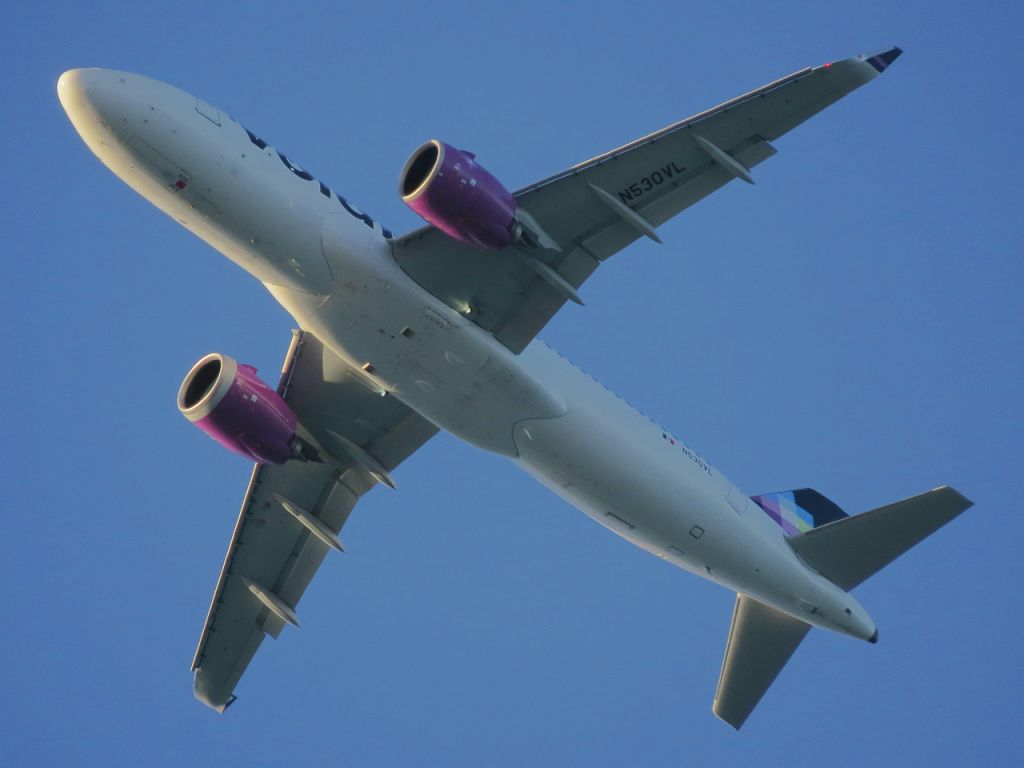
x,y
331,267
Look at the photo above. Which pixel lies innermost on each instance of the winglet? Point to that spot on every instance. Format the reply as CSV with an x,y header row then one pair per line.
x,y
882,60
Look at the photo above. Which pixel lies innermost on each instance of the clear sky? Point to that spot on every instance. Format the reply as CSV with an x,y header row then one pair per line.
x,y
853,323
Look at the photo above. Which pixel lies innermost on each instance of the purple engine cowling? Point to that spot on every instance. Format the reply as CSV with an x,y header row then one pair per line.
x,y
231,404
448,188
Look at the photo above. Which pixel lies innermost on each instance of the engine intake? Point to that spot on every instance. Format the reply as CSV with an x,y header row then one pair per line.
x,y
448,188
231,404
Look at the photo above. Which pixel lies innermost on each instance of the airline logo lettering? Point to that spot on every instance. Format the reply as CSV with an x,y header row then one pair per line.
x,y
307,176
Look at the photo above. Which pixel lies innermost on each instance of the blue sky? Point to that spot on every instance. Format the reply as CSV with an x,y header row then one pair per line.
x,y
852,323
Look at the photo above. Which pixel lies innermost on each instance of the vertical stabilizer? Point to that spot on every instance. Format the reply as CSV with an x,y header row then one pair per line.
x,y
799,510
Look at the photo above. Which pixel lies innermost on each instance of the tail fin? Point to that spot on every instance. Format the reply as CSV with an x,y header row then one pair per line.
x,y
761,640
799,510
851,549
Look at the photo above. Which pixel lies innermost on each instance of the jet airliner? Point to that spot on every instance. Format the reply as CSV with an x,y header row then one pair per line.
x,y
399,337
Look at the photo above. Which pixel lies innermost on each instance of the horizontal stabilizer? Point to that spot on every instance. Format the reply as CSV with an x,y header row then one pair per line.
x,y
848,551
761,640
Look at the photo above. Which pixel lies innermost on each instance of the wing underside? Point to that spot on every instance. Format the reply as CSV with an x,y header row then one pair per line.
x,y
291,514
595,209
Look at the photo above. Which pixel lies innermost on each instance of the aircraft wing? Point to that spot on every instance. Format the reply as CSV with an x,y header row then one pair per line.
x,y
292,513
593,210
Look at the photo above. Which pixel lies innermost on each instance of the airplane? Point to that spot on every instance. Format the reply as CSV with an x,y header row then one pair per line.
x,y
399,337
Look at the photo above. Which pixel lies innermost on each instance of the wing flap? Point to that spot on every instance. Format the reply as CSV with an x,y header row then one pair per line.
x,y
270,548
761,641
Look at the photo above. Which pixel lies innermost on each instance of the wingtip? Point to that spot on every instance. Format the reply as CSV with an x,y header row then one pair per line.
x,y
732,721
210,694
954,494
880,61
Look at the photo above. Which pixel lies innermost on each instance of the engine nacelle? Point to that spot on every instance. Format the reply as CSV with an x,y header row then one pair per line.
x,y
232,405
449,189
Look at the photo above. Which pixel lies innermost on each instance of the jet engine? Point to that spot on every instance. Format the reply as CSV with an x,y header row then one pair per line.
x,y
231,404
448,188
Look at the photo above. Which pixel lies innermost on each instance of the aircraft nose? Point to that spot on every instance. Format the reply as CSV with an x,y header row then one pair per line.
x,y
76,90
71,89
93,97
